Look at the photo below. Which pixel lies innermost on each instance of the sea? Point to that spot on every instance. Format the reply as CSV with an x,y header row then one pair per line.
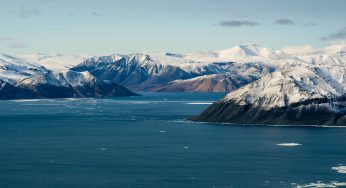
x,y
149,141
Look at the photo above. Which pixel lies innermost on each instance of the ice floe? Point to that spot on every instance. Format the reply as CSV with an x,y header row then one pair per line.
x,y
340,169
196,103
319,184
289,144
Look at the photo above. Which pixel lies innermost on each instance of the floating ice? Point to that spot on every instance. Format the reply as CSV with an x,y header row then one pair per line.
x,y
199,103
27,100
289,144
319,184
340,169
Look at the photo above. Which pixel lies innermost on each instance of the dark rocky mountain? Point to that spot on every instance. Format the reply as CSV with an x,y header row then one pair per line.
x,y
144,72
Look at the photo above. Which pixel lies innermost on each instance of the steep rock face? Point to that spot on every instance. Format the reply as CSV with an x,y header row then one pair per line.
x,y
295,96
8,91
208,83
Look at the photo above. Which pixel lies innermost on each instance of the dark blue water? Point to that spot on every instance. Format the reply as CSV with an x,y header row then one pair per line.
x,y
146,142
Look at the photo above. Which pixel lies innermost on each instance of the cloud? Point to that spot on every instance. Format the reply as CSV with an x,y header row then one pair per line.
x,y
336,36
18,45
284,22
237,23
25,12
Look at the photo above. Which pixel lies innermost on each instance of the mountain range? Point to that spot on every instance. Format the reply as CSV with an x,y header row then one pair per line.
x,y
297,85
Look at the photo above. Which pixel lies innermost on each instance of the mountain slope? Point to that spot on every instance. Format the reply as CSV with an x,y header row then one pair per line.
x,y
295,96
13,69
223,77
20,79
137,72
57,62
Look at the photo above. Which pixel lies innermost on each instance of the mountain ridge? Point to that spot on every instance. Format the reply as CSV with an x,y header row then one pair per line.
x,y
266,85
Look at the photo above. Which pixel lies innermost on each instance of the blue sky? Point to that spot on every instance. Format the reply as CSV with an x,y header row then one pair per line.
x,y
181,26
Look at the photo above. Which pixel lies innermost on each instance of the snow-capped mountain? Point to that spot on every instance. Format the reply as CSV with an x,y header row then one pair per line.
x,y
138,71
239,53
334,55
223,77
305,95
149,72
70,84
20,79
55,61
258,78
13,69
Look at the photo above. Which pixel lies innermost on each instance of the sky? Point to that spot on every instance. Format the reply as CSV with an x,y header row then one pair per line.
x,y
179,26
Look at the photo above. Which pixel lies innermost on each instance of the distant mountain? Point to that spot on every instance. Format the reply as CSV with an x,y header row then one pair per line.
x,y
13,69
232,78
137,72
55,61
239,53
157,72
20,79
70,84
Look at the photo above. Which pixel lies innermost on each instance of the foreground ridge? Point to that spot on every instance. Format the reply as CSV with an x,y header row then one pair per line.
x,y
303,95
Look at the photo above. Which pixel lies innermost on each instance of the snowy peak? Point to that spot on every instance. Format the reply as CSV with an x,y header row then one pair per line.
x,y
299,95
242,51
13,69
250,50
336,49
291,86
239,53
7,60
62,79
55,61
